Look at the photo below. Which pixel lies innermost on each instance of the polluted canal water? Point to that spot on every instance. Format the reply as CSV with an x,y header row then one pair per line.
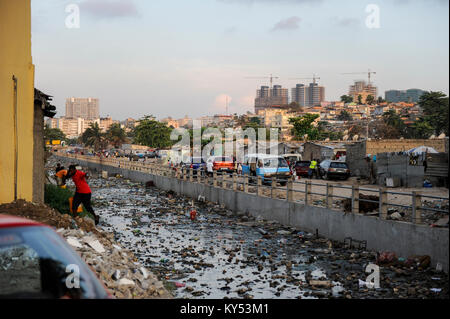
x,y
217,254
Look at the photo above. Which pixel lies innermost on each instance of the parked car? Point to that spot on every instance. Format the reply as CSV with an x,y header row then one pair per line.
x,y
292,158
334,169
302,168
220,164
267,166
36,262
197,164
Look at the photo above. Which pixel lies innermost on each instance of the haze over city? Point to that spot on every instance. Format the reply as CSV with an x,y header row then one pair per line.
x,y
176,58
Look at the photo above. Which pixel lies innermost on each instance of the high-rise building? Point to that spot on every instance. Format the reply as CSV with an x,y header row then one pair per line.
x,y
71,127
105,123
305,96
363,89
411,95
267,97
85,108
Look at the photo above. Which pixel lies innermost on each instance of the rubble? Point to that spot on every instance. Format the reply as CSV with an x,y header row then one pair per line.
x,y
115,266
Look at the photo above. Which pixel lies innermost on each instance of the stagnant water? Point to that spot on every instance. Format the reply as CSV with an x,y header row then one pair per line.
x,y
223,256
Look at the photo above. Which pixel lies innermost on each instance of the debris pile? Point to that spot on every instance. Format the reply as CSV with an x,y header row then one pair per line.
x,y
115,266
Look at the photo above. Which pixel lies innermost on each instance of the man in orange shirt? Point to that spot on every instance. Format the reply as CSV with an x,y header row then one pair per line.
x,y
83,192
61,177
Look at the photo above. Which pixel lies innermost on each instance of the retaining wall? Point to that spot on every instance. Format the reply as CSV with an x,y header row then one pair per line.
x,y
405,239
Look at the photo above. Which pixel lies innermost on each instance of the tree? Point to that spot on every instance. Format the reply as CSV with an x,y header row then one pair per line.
x,y
304,125
73,141
360,99
421,129
370,100
385,131
435,111
152,133
53,134
393,119
345,116
115,135
380,100
347,98
93,137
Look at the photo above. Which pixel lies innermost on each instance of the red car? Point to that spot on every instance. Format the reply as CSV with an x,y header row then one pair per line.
x,y
220,164
302,168
36,262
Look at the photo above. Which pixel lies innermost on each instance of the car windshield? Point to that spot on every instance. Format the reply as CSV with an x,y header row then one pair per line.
x,y
275,162
36,263
303,164
338,165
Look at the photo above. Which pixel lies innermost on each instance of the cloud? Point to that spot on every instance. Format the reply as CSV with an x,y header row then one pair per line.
x,y
109,8
405,2
346,22
291,23
231,30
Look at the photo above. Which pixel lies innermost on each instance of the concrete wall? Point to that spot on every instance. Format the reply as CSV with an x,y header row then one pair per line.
x,y
15,60
405,239
355,159
397,165
388,146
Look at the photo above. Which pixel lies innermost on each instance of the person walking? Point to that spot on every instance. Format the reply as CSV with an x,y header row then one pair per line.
x,y
371,170
83,192
312,169
58,167
61,177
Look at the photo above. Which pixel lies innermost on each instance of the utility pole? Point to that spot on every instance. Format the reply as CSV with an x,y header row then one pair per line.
x,y
226,106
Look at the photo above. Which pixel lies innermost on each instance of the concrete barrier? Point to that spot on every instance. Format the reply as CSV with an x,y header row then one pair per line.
x,y
405,239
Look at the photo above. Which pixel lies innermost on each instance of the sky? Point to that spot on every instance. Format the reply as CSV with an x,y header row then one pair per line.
x,y
188,57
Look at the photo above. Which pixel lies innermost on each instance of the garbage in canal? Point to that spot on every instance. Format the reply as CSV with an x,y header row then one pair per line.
x,y
180,285
386,258
221,254
193,214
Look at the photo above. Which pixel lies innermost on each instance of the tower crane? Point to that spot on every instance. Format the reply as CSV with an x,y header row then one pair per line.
x,y
369,74
314,78
271,77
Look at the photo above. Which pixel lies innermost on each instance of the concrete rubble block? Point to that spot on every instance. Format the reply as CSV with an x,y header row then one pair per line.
x,y
74,242
124,282
95,244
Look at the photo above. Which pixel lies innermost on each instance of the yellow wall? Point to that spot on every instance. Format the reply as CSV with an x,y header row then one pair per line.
x,y
15,59
388,146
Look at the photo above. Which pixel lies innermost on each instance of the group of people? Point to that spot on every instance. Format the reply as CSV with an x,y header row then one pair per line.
x,y
83,192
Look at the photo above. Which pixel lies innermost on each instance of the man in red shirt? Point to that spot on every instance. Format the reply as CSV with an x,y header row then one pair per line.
x,y
83,192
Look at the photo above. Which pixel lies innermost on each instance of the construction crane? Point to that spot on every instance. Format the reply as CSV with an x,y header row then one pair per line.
x,y
271,77
369,73
314,78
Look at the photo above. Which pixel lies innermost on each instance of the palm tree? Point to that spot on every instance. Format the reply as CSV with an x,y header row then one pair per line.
x,y
116,135
359,99
94,137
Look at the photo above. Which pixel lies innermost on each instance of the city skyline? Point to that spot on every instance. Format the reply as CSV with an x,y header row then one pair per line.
x,y
137,63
